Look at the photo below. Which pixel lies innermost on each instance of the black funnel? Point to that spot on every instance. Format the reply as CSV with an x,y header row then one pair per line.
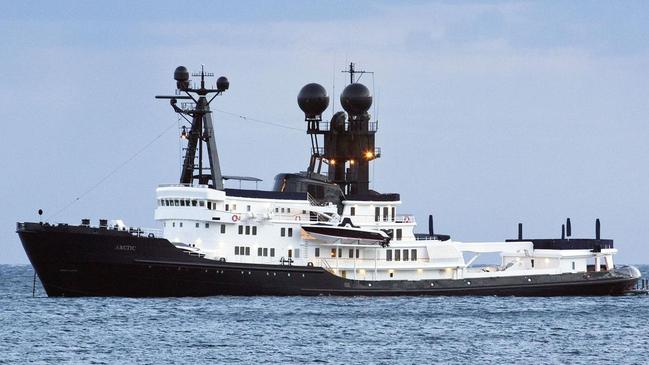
x,y
563,231
597,229
568,228
520,231
431,230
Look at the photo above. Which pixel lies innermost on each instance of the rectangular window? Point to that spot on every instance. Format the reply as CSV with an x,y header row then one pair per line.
x,y
413,255
201,203
290,232
397,255
276,210
317,252
340,252
247,230
209,205
247,208
227,207
358,253
532,261
254,230
351,253
247,251
399,234
234,207
573,265
194,203
207,225
182,203
173,224
394,211
181,224
222,228
405,255
272,252
333,252
290,253
197,224
288,210
187,202
385,214
377,214
240,229
265,251
388,255
177,203
260,251
282,231
282,210
352,211
236,250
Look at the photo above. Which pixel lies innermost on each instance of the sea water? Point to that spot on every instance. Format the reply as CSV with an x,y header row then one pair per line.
x,y
306,330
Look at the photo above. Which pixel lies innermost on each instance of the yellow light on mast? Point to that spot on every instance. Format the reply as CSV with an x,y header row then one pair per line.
x,y
369,155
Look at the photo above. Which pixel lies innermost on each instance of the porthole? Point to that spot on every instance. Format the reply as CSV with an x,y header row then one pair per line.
x,y
302,275
529,279
370,284
289,274
267,274
468,283
432,284
242,273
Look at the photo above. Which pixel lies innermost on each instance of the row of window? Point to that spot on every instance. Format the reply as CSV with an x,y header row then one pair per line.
x,y
263,251
286,232
339,253
386,216
187,203
247,229
242,250
408,255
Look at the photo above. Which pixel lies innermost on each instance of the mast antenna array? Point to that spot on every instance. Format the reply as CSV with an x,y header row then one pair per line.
x,y
201,131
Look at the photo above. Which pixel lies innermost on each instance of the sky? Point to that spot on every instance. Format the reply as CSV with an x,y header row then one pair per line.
x,y
490,113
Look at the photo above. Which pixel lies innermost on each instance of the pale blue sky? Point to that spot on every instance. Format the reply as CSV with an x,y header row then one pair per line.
x,y
490,113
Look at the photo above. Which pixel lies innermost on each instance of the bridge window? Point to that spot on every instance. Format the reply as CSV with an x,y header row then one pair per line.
x,y
247,251
358,253
197,224
377,214
394,211
247,230
405,255
201,203
182,203
388,255
385,214
399,234
194,203
397,255
265,251
209,205
260,251
236,250
254,230
413,255
352,211
351,253
272,252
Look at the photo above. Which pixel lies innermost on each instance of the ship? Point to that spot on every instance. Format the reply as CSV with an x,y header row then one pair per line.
x,y
321,231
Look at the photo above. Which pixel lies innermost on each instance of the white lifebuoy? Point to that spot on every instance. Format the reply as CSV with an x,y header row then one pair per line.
x,y
235,217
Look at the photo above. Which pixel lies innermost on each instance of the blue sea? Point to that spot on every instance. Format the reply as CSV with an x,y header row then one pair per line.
x,y
318,330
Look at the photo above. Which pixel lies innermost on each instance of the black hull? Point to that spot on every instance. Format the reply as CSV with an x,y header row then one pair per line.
x,y
82,261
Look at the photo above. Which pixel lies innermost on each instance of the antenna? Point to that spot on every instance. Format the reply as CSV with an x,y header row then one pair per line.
x,y
352,71
201,130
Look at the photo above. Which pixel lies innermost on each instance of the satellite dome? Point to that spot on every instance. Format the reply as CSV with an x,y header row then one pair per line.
x,y
313,100
222,83
356,99
181,74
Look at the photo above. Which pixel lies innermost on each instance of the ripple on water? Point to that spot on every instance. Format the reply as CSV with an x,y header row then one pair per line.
x,y
297,330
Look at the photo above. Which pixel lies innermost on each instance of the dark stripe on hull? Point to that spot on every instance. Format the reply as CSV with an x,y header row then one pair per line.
x,y
77,261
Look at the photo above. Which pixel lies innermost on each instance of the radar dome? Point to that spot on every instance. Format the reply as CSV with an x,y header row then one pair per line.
x,y
313,100
181,74
356,99
222,83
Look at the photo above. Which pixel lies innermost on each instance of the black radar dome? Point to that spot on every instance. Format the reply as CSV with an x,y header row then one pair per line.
x,y
356,99
181,74
313,100
222,83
